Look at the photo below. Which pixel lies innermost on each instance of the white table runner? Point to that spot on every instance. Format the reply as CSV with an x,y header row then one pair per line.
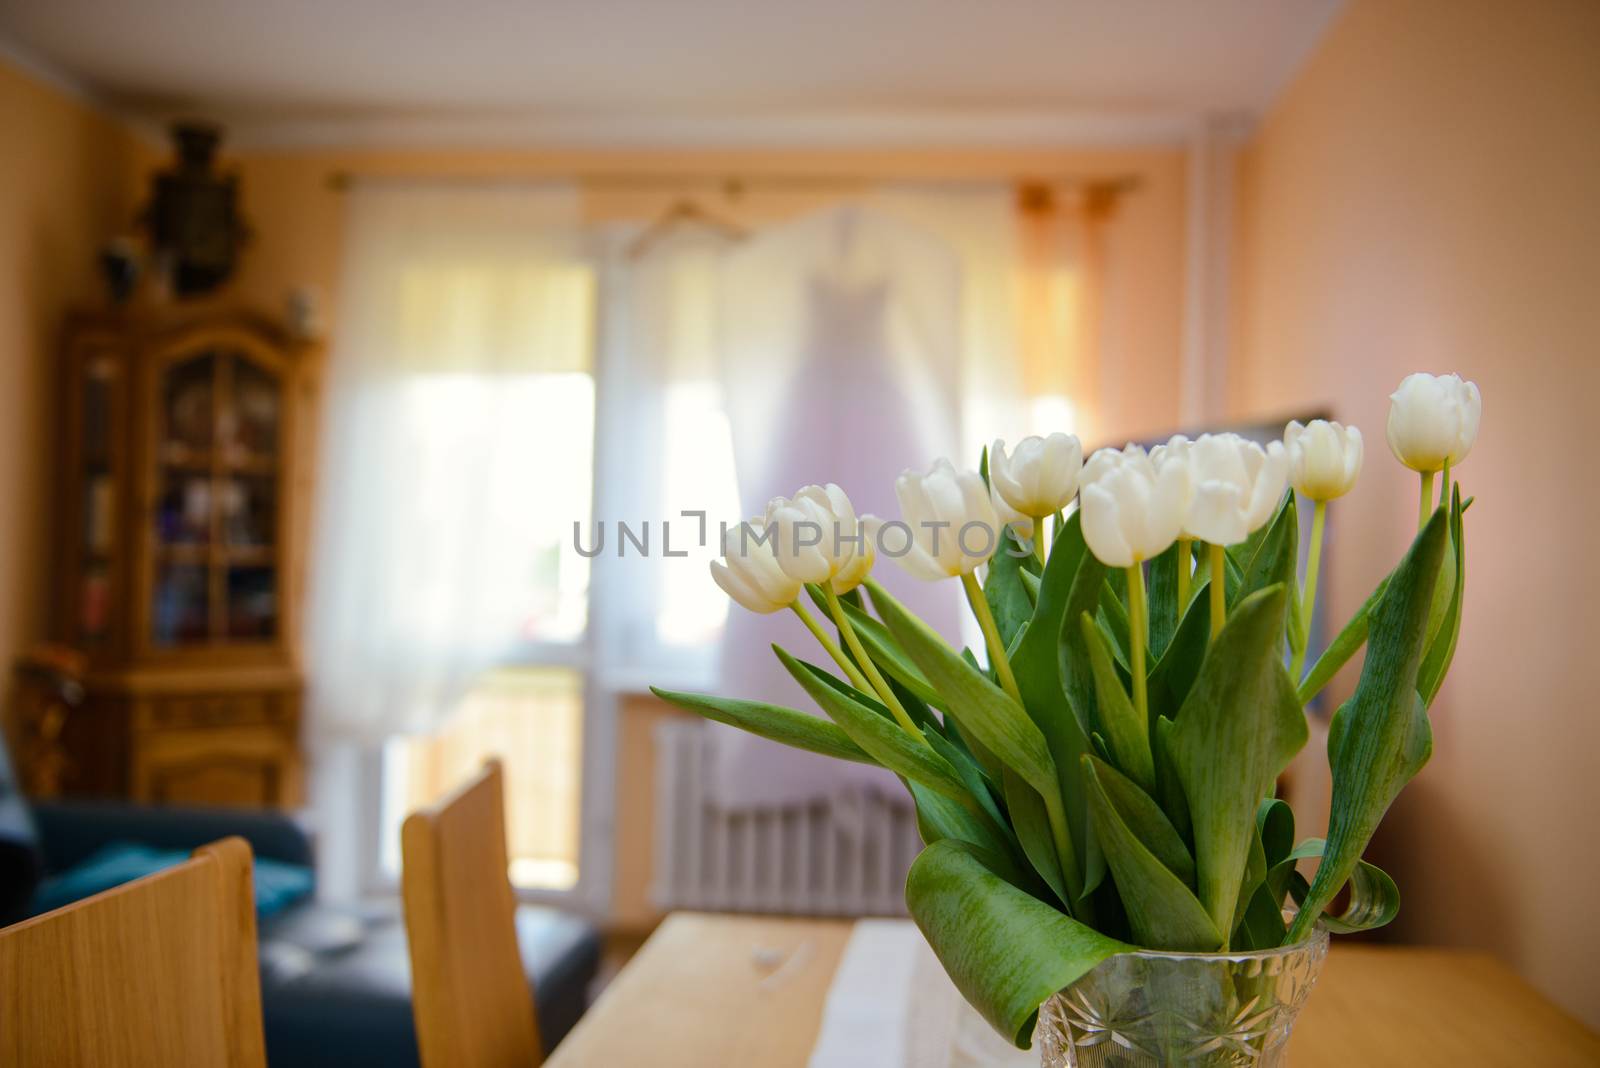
x,y
892,1006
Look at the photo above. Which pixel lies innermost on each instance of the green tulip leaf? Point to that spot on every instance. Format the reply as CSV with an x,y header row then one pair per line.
x,y
1275,828
873,730
1179,666
1169,788
1262,925
800,730
1444,588
1267,878
1344,645
1444,621
1374,898
1272,559
1005,950
939,817
1016,641
1126,731
1238,729
1255,878
984,710
987,714
1045,673
1297,622
1098,746
1442,639
971,775
1030,585
1031,823
1144,818
1085,580
1113,612
1381,737
1163,913
875,638
1009,602
1165,612
1242,552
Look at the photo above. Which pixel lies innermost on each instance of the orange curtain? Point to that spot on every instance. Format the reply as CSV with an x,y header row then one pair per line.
x,y
1062,253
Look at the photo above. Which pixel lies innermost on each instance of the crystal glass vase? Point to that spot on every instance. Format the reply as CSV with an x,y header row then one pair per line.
x,y
1196,1010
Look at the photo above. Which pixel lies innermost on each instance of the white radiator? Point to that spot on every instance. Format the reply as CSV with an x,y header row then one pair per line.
x,y
842,858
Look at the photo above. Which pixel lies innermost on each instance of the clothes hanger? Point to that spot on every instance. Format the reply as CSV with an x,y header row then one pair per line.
x,y
683,212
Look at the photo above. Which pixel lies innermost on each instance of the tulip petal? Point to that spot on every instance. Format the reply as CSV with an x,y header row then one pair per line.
x,y
1101,528
1215,514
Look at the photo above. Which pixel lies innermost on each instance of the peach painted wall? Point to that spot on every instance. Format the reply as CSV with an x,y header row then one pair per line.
x,y
1426,196
67,182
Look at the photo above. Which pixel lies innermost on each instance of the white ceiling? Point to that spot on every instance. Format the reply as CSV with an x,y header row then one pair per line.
x,y
305,69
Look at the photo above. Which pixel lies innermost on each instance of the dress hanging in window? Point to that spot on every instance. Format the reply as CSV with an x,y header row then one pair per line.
x,y
841,342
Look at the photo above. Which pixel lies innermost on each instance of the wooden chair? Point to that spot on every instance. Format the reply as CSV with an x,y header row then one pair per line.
x,y
157,972
469,992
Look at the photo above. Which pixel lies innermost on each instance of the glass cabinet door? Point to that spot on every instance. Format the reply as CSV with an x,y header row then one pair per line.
x,y
100,422
218,478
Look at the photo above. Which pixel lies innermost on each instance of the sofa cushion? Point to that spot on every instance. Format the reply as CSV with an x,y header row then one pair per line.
x,y
329,999
277,885
21,860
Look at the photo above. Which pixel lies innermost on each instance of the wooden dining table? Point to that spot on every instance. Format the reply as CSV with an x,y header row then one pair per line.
x,y
712,991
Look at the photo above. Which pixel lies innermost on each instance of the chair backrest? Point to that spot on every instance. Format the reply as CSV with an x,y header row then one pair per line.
x,y
159,971
469,992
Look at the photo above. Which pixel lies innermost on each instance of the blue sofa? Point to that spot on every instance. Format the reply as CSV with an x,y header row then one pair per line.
x,y
335,979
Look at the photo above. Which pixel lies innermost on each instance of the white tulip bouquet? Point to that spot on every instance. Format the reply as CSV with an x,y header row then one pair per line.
x,y
1104,777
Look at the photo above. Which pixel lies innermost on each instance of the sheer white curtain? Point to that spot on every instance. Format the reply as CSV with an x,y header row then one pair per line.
x,y
666,450
455,451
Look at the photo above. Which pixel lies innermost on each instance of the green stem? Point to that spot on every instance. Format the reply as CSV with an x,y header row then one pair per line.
x,y
1219,588
1444,490
1185,561
1425,505
1308,596
856,678
1138,636
1039,549
1082,908
878,684
991,636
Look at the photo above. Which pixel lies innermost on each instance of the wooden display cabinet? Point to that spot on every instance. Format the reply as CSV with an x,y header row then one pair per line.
x,y
184,497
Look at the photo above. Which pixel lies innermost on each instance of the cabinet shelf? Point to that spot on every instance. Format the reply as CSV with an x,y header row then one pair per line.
x,y
181,516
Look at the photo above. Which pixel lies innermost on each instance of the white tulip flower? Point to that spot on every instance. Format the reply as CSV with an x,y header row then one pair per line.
x,y
1021,525
1433,421
952,525
1040,476
1131,510
1324,458
1176,450
1235,486
819,539
750,574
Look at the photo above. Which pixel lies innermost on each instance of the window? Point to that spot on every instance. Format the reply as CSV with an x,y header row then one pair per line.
x,y
449,608
498,416
698,474
532,719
